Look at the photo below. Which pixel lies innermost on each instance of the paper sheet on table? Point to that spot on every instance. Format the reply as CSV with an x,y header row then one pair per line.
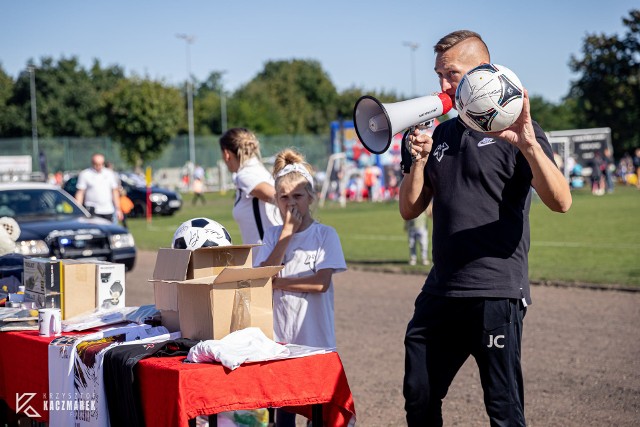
x,y
110,317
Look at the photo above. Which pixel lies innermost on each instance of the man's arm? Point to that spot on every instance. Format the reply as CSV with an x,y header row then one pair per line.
x,y
80,196
414,195
549,182
116,203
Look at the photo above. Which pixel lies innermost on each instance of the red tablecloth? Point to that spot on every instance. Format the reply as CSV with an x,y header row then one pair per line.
x,y
24,369
173,392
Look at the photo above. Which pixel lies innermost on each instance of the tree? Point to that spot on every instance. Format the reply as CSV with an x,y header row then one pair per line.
x,y
551,116
286,97
103,80
608,90
143,115
66,98
207,105
347,100
10,119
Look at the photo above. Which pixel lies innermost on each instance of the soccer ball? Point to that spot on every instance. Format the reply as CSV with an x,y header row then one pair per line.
x,y
200,233
489,98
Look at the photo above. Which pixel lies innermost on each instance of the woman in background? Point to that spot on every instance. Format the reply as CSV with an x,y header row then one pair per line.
x,y
254,208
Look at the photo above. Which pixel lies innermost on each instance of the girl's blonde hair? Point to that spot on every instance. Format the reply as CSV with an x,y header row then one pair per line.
x,y
241,142
289,156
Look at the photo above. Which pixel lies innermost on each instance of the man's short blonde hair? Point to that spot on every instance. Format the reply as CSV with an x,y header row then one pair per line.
x,y
452,39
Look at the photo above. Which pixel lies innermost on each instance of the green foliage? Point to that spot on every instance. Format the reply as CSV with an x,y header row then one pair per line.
x,y
595,242
347,100
143,115
551,116
608,90
207,106
287,97
65,97
10,117
68,99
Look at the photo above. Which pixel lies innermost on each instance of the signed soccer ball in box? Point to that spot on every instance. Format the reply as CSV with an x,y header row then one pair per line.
x,y
200,233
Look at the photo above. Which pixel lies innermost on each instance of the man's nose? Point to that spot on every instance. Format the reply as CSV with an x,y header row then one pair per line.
x,y
445,85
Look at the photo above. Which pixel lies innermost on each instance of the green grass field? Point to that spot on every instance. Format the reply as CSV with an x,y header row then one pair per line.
x,y
597,241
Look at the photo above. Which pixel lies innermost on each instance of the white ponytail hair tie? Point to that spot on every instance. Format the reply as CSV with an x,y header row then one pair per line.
x,y
296,167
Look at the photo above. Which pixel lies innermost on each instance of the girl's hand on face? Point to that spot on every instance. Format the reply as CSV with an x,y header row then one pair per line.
x,y
296,218
292,219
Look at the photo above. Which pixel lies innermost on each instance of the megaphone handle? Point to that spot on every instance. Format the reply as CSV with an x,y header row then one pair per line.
x,y
406,160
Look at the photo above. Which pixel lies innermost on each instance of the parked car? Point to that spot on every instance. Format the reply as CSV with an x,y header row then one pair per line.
x,y
163,201
52,224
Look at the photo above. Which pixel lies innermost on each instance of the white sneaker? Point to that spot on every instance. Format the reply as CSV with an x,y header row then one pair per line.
x,y
412,261
425,262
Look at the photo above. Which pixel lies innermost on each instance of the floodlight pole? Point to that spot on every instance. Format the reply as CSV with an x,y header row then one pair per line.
x,y
34,114
413,46
189,39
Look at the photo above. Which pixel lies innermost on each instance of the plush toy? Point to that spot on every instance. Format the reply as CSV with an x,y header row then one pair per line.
x,y
9,233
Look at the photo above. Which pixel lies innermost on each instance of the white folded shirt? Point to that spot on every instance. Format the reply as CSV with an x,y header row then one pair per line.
x,y
244,345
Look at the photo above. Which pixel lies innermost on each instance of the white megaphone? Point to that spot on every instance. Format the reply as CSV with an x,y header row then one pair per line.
x,y
376,123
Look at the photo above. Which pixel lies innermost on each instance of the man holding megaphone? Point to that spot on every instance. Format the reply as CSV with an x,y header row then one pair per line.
x,y
475,297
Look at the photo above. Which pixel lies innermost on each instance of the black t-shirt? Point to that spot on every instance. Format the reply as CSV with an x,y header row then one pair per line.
x,y
481,198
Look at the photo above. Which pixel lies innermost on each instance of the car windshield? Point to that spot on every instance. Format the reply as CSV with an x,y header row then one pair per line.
x,y
40,202
133,179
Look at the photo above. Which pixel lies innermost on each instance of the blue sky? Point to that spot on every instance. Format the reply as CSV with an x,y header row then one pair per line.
x,y
358,43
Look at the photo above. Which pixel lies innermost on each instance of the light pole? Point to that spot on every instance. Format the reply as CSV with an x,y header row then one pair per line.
x,y
413,46
189,39
34,113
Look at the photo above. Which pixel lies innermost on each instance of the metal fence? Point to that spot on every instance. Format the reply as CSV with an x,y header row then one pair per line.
x,y
72,154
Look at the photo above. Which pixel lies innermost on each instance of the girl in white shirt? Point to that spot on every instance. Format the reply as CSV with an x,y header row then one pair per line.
x,y
311,253
253,208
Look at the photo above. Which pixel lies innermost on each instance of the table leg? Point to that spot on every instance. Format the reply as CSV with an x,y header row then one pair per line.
x,y
7,416
316,415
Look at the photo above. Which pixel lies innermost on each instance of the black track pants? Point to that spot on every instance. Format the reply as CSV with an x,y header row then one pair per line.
x,y
443,333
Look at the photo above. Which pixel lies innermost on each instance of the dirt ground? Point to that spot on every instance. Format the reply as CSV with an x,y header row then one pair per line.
x,y
581,351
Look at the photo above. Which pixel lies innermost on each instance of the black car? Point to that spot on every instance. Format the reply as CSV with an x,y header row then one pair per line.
x,y
163,201
52,224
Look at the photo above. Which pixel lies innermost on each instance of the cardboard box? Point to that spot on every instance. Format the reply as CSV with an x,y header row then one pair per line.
x,y
42,275
110,285
44,301
78,288
184,264
42,280
69,285
212,307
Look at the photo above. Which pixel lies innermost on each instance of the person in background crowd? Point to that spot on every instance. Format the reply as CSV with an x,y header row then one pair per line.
x,y
97,190
636,166
476,295
608,170
254,208
418,234
126,205
198,191
597,179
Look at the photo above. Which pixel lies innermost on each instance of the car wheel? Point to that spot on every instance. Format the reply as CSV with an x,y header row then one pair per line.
x,y
139,210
